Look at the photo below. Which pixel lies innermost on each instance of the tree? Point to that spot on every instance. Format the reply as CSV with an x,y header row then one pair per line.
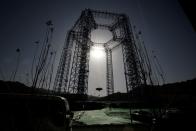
x,y
99,89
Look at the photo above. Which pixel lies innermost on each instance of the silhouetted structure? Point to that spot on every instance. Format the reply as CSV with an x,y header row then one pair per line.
x,y
73,69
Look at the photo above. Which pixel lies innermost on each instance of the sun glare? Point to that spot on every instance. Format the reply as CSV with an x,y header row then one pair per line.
x,y
97,52
101,36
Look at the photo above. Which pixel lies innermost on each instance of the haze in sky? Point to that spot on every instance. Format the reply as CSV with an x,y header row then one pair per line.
x,y
166,31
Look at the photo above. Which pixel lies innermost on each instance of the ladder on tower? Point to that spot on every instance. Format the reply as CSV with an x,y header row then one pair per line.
x,y
109,72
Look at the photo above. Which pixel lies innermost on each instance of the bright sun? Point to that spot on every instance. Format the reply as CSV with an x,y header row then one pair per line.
x,y
97,52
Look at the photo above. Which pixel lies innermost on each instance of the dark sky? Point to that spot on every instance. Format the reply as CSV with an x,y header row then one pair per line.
x,y
165,30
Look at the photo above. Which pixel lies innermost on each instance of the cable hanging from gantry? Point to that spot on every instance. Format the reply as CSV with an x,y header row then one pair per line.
x,y
43,56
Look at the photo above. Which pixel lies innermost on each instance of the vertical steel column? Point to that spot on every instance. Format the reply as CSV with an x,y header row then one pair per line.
x,y
130,58
78,82
109,72
83,71
61,79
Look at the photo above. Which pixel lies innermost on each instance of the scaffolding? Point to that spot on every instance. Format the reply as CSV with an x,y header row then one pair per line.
x,y
73,69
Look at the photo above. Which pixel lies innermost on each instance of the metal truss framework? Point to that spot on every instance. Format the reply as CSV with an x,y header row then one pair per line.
x,y
73,69
109,72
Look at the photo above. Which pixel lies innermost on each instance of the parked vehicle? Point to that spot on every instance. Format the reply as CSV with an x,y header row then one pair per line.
x,y
142,116
25,112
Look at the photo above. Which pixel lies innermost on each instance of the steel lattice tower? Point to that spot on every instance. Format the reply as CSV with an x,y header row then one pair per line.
x,y
73,69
